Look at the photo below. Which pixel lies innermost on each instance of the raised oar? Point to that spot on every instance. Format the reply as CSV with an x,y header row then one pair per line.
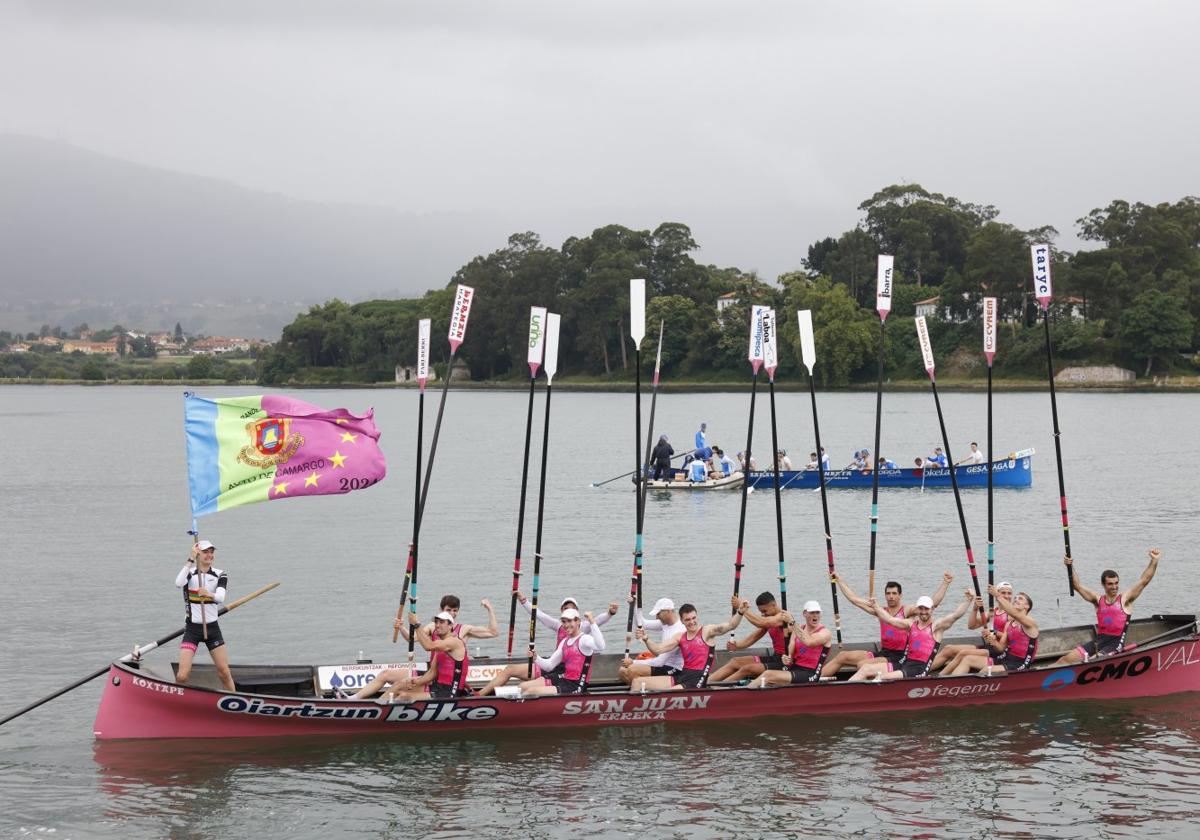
x,y
646,455
422,378
883,305
637,331
537,344
632,472
756,360
138,651
1040,255
927,356
551,367
458,331
989,352
770,362
808,353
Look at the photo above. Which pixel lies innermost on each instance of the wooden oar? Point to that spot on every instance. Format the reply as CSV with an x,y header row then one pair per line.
x,y
808,354
756,360
129,657
637,331
927,356
1040,255
551,367
883,305
989,352
463,299
643,485
423,327
537,345
770,362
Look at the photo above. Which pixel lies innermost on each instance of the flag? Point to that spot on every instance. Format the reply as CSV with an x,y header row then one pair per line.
x,y
242,450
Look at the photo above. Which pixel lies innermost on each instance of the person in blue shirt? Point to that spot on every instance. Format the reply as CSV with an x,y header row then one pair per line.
x,y
700,438
724,460
885,464
938,457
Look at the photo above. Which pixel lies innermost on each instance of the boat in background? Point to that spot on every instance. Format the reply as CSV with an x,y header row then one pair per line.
x,y
1014,471
726,482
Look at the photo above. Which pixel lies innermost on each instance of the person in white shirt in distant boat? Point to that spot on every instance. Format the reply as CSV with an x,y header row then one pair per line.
x,y
973,457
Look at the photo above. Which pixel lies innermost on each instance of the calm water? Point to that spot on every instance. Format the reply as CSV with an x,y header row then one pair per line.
x,y
93,527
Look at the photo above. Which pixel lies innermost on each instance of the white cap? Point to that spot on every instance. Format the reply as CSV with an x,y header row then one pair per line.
x,y
566,601
204,545
925,601
812,606
444,616
662,604
1002,584
570,613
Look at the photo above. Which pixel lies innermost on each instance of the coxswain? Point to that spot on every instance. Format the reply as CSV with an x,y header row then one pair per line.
x,y
992,621
520,670
446,676
924,636
666,622
807,651
973,457
451,604
1017,644
574,653
1113,609
770,620
696,644
891,640
661,458
203,590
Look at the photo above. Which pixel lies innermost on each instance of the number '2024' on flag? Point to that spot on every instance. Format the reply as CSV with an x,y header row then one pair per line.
x,y
243,450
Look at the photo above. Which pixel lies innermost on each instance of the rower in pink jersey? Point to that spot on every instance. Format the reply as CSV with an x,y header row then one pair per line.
x,y
810,644
446,676
1113,609
771,622
924,635
1017,645
697,644
451,604
574,652
996,619
891,640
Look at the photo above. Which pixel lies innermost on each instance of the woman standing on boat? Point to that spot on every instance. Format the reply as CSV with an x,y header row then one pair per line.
x,y
203,591
1112,610
924,636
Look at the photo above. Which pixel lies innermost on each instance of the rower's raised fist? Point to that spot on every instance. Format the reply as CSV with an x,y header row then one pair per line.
x,y
612,608
587,616
733,601
946,576
1155,554
521,596
486,604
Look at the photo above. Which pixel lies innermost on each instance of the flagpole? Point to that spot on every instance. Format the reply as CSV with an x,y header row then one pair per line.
x,y
537,343
463,299
989,352
756,360
808,353
551,367
423,327
637,331
883,305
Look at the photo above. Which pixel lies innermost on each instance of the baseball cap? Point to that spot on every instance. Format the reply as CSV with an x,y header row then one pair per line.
x,y
204,545
925,601
570,613
812,606
1002,584
566,601
662,604
444,616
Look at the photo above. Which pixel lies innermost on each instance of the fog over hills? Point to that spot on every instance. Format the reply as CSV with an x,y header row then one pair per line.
x,y
85,236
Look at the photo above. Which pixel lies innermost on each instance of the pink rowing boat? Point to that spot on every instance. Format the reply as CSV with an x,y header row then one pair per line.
x,y
144,701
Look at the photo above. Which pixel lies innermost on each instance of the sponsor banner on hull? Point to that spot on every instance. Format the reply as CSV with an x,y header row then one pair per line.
x,y
353,677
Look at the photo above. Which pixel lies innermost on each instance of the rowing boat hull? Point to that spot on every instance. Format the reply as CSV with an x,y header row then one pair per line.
x,y
136,705
729,482
1010,472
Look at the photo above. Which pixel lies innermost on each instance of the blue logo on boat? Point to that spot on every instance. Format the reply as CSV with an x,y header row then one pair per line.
x,y
1059,679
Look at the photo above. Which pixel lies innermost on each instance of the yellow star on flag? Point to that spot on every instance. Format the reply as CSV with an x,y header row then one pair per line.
x,y
311,480
338,459
349,438
281,488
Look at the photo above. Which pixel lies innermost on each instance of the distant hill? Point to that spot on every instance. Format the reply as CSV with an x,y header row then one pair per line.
x,y
84,227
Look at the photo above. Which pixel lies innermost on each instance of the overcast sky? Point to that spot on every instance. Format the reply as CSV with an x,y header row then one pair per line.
x,y
762,125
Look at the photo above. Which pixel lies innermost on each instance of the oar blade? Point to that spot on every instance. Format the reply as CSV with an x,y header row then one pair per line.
x,y
458,318
757,347
551,363
883,285
808,347
989,329
770,348
1039,254
423,352
637,310
537,338
926,346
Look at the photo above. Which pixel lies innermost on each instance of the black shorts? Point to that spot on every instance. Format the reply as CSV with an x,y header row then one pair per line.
x,y
912,668
892,656
803,675
774,662
1102,646
441,691
1012,663
663,671
193,636
690,678
564,685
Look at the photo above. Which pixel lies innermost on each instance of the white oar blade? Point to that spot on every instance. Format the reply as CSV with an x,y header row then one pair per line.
x,y
770,349
808,347
637,310
757,348
1039,254
458,318
926,346
883,285
537,337
989,329
551,362
423,351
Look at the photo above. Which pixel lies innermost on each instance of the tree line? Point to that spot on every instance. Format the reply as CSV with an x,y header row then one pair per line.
x,y
1139,290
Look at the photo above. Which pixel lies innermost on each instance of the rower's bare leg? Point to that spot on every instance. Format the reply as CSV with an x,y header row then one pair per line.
x,y
653,684
1069,658
376,685
947,653
627,673
186,654
730,668
965,653
969,663
515,671
772,678
537,687
748,671
220,658
871,670
846,659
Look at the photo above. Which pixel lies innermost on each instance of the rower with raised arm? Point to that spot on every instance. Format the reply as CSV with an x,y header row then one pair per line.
x,y
891,640
666,622
924,636
979,619
451,604
446,676
809,648
1018,642
697,647
520,670
1113,609
574,653
771,620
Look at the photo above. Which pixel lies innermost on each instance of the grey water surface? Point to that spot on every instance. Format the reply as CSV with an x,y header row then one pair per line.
x,y
93,518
